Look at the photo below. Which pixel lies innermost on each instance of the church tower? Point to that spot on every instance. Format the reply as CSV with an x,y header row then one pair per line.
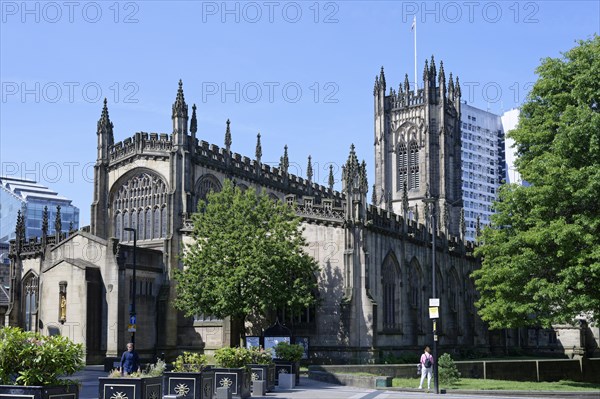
x,y
418,147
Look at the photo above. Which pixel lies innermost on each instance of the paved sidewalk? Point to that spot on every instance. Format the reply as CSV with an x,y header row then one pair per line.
x,y
311,389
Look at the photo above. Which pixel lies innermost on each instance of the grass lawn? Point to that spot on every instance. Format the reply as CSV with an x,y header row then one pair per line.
x,y
478,384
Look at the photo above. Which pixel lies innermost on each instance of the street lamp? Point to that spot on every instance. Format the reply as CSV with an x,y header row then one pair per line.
x,y
132,317
430,201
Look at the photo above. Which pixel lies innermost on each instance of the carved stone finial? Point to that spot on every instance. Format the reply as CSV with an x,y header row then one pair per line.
x,y
194,121
309,169
58,221
374,195
45,222
382,79
364,184
331,180
284,162
406,84
180,108
426,72
104,123
463,225
457,89
258,152
228,136
432,69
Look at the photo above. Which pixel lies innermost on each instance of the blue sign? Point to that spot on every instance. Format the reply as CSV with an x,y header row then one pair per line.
x,y
132,319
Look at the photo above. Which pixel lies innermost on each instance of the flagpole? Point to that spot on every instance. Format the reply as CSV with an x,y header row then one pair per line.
x,y
415,38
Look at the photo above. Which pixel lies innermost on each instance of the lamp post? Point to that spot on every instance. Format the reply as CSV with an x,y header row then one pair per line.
x,y
132,316
430,201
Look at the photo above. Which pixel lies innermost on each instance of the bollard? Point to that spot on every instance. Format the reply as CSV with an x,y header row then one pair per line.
x,y
223,393
259,387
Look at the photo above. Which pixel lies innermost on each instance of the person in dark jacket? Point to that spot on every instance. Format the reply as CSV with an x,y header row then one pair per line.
x,y
130,361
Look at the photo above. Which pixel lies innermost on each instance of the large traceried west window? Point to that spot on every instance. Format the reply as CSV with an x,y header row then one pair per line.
x,y
141,203
408,165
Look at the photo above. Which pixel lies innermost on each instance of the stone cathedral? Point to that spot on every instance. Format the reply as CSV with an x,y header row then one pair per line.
x,y
375,258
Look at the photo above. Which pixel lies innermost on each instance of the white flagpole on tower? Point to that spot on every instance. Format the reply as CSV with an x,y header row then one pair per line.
x,y
414,29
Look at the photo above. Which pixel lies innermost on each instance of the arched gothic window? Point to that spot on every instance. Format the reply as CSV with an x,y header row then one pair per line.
x,y
415,286
137,203
205,185
453,290
402,157
413,181
30,296
391,278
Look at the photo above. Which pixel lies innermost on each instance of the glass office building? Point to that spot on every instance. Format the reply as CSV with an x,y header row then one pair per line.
x,y
483,165
30,198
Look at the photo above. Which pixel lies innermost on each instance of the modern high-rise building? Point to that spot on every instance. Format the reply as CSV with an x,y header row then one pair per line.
x,y
31,198
509,122
483,165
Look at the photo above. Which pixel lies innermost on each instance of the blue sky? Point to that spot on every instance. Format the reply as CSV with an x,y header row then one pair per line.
x,y
301,73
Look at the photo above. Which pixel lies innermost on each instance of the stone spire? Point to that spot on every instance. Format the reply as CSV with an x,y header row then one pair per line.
x,y
406,83
309,170
404,199
284,162
376,86
364,183
194,121
457,93
228,136
331,180
258,152
426,73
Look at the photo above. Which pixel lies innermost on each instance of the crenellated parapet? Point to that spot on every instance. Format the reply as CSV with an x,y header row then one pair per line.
x,y
152,144
235,164
389,223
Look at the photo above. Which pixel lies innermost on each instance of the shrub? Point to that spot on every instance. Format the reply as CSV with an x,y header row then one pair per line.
x,y
290,353
233,357
447,371
189,362
29,358
261,356
152,370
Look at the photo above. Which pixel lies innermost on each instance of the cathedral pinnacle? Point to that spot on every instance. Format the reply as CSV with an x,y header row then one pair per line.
x,y
442,75
180,109
457,89
228,136
309,169
194,121
45,222
284,162
451,87
432,70
331,180
426,72
20,228
406,84
382,79
58,221
104,123
258,152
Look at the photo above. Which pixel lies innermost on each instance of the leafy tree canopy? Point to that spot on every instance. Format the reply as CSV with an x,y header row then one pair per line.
x,y
248,258
541,254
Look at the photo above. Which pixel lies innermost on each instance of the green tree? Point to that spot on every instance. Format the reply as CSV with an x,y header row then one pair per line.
x,y
541,254
447,371
248,259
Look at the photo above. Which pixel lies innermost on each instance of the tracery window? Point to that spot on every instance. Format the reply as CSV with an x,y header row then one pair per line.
x,y
391,278
205,185
141,203
30,291
408,166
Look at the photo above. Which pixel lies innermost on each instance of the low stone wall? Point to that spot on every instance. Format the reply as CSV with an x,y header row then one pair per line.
x,y
359,381
584,370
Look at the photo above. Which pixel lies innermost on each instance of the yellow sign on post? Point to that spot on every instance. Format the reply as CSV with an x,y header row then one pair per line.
x,y
434,312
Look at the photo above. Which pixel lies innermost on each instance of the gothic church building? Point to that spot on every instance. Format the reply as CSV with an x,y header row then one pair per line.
x,y
376,264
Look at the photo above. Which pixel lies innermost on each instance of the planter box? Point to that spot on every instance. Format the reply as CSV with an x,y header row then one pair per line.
x,y
238,380
287,381
33,392
190,385
132,388
265,372
287,368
